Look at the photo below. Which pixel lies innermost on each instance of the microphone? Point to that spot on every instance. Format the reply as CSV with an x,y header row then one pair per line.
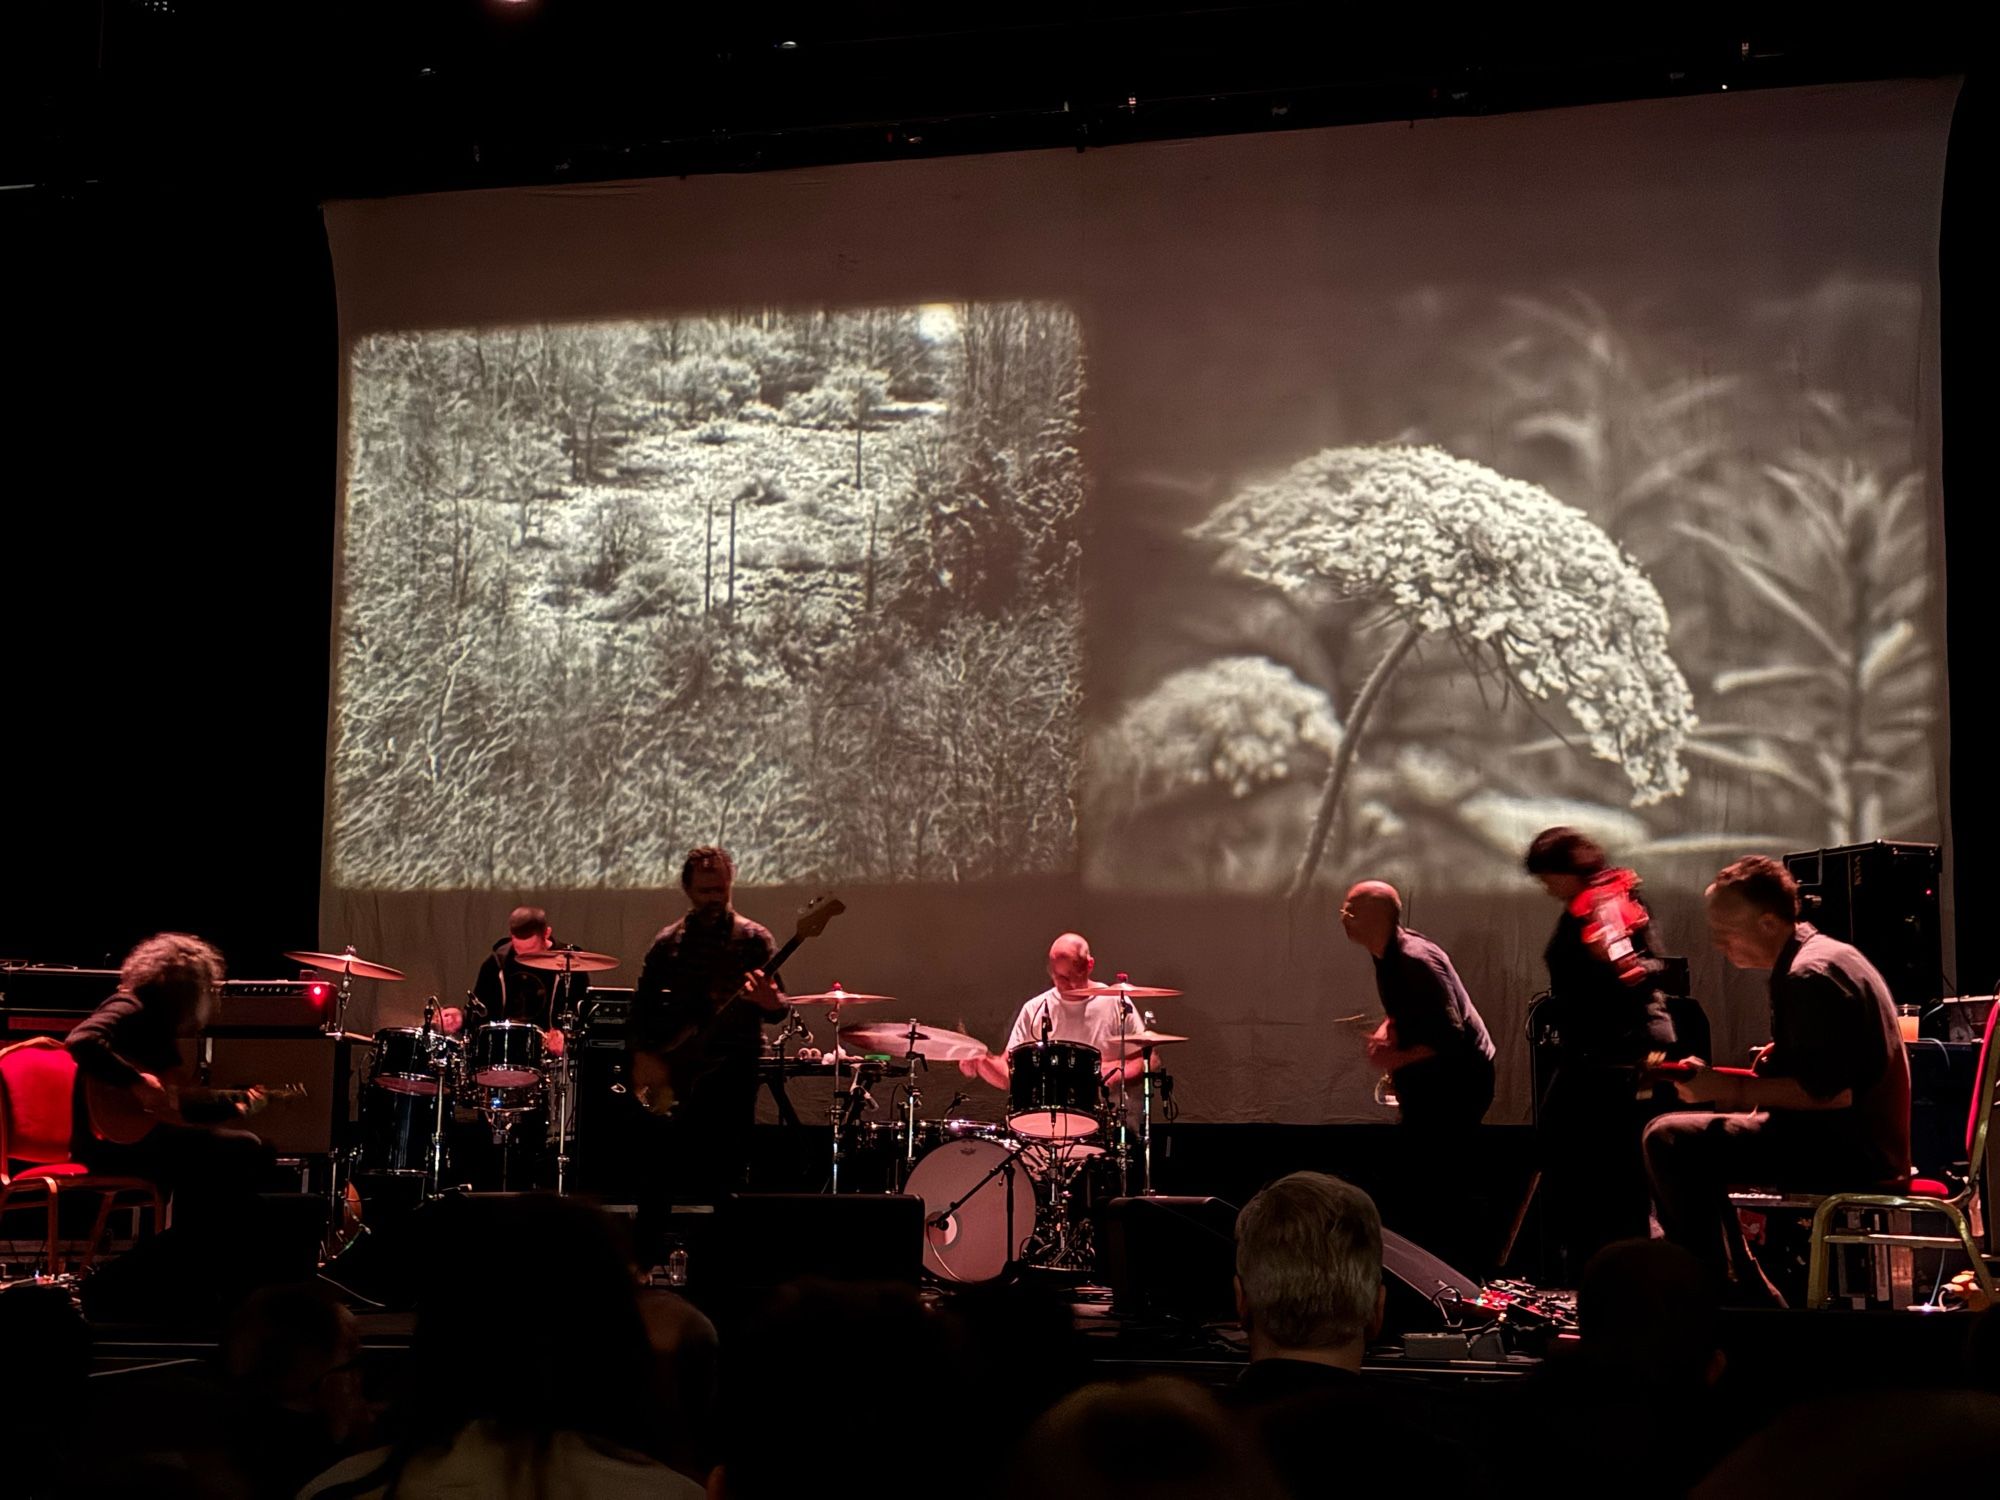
x,y
956,1100
430,1013
1048,1023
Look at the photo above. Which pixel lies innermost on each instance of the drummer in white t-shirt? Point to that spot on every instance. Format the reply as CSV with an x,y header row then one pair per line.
x,y
1071,1014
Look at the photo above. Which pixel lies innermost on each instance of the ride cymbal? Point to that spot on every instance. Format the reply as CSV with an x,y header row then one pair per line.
x,y
345,963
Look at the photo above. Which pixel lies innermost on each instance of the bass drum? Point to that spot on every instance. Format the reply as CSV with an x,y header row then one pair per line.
x,y
989,1229
396,1128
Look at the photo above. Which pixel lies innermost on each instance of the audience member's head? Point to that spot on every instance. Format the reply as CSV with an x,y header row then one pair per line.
x,y
687,1357
44,1370
295,1346
1647,1309
1863,1446
1156,1439
533,1326
1309,1270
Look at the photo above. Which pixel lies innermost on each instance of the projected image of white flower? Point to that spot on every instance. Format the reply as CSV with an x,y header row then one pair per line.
x,y
804,582
1516,580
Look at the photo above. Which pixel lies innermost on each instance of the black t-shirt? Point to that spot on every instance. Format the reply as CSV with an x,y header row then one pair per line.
x,y
1422,993
509,991
1833,1027
692,970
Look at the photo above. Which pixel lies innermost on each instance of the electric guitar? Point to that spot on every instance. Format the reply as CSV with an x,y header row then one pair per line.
x,y
117,1115
660,1079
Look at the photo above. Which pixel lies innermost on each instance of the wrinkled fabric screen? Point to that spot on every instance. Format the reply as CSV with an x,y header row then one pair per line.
x,y
1151,542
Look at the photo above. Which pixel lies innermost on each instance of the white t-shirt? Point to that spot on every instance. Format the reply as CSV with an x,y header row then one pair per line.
x,y
1093,1022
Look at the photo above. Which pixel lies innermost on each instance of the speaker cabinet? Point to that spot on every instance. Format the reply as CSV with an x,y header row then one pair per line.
x,y
1882,898
296,1127
1169,1257
771,1238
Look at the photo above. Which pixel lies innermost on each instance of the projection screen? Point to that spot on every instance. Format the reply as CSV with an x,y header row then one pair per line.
x,y
1147,541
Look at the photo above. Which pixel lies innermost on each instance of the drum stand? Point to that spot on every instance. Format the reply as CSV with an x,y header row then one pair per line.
x,y
1066,1242
838,1112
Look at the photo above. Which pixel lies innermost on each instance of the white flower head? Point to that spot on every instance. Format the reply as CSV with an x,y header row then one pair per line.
x,y
1501,565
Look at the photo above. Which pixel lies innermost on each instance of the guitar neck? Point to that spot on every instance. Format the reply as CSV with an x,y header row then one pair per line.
x,y
778,959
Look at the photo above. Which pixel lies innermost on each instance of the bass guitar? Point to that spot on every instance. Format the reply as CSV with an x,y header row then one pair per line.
x,y
660,1079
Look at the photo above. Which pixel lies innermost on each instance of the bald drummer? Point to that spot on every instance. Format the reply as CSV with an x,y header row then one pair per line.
x,y
1072,1016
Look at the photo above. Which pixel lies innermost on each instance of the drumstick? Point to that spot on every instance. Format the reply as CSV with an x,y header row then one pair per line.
x,y
1359,1015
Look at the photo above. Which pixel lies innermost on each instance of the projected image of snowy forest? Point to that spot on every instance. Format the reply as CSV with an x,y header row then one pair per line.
x,y
801,581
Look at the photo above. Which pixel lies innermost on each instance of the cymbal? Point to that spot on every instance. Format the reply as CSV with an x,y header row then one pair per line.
x,y
345,963
835,996
1129,991
893,1037
1139,1041
567,961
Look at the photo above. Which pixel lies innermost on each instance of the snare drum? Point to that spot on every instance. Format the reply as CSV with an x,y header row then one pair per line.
x,y
411,1060
1053,1090
507,1055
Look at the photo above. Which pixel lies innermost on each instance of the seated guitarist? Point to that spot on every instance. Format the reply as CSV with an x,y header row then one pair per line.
x,y
1829,1104
128,1054
698,1013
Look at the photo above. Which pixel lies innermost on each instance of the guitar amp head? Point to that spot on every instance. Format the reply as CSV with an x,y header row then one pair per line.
x,y
274,1005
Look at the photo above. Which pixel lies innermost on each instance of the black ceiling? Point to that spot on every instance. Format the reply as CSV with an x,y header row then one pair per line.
x,y
361,97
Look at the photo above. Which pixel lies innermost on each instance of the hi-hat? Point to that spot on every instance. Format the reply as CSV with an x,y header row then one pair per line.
x,y
901,1039
1139,1041
345,963
567,961
835,996
1129,991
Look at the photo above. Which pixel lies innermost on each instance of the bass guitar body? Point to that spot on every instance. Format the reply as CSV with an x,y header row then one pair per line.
x,y
661,1078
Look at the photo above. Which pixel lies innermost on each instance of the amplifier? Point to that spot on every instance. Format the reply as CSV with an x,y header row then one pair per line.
x,y
1882,898
274,1004
42,998
296,1127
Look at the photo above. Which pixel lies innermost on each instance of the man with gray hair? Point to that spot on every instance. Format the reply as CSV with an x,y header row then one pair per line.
x,y
1308,1280
1309,1292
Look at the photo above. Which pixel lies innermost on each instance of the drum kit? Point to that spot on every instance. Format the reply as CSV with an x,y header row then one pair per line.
x,y
994,1195
1017,1194
421,1081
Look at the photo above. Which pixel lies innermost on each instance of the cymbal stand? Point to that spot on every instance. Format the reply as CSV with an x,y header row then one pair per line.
x,y
1146,1117
563,1016
837,1111
434,1163
343,992
1124,1141
913,1098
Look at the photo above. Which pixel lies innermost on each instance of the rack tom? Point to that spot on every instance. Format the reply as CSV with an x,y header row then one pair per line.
x,y
1054,1090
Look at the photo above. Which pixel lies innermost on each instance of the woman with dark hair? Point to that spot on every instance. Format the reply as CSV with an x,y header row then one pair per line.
x,y
529,1374
1603,1015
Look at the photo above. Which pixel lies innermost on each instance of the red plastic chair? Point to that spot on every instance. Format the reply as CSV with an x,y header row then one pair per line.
x,y
37,1082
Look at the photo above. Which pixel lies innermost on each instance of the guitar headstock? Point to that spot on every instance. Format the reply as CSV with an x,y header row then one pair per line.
x,y
816,913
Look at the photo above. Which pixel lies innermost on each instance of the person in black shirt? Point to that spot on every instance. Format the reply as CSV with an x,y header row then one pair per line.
x,y
1432,1041
1436,1050
507,990
1603,1016
1829,1103
167,991
700,1006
